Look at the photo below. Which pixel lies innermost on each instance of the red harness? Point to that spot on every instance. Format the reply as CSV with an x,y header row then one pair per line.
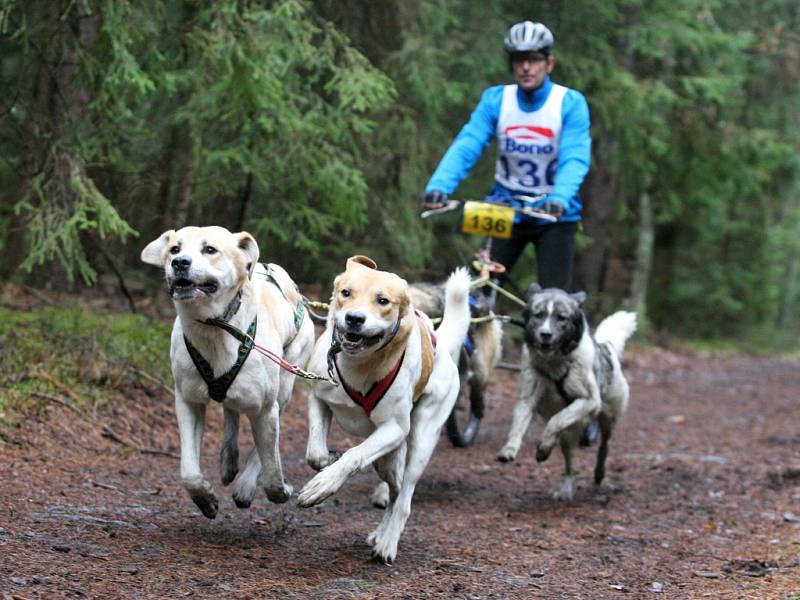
x,y
378,390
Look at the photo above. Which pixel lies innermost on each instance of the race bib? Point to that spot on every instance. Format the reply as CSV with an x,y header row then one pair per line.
x,y
488,219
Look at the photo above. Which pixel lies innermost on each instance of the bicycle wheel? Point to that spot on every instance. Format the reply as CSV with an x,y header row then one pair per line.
x,y
465,419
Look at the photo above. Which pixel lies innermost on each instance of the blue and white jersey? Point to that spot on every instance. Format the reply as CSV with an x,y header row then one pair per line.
x,y
525,124
528,142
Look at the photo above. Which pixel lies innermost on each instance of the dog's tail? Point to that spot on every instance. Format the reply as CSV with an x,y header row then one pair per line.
x,y
455,321
616,329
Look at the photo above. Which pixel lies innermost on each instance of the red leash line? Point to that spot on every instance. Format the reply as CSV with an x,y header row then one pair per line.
x,y
279,360
287,366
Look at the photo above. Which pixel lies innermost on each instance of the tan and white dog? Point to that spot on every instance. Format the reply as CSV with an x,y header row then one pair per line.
x,y
398,384
221,291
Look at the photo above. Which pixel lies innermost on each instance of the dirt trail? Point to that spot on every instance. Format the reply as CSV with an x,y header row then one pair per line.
x,y
702,499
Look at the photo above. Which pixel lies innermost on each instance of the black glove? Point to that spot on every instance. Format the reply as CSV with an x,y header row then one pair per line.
x,y
554,207
434,199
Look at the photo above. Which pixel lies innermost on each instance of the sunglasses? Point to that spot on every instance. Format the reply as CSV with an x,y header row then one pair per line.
x,y
519,57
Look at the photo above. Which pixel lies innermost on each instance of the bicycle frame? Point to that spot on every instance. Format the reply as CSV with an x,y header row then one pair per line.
x,y
471,395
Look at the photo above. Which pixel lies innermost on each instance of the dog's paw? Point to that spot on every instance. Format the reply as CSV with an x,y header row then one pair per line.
x,y
325,461
244,490
242,502
280,495
543,452
563,496
384,548
373,536
324,484
380,495
379,558
202,494
507,454
228,464
566,492
599,474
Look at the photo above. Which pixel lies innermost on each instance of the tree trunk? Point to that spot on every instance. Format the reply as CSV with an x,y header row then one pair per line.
x,y
244,202
13,247
185,178
164,193
56,103
786,318
601,200
644,257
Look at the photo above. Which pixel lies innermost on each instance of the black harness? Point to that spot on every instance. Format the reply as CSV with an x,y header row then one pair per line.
x,y
558,383
218,386
605,357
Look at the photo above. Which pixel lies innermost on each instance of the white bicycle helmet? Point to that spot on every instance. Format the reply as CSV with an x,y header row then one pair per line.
x,y
528,37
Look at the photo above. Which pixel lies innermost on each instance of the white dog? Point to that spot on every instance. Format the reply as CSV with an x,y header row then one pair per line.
x,y
220,292
569,377
398,382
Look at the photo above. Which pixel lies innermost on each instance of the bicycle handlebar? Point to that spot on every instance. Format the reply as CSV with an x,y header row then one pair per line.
x,y
451,205
540,212
525,210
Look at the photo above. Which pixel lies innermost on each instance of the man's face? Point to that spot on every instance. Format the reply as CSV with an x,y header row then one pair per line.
x,y
530,69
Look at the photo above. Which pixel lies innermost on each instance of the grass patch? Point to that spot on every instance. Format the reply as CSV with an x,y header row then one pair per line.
x,y
757,341
735,346
80,357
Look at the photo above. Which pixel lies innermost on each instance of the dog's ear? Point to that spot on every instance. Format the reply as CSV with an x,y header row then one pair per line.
x,y
533,289
573,339
335,292
526,312
579,297
360,259
247,244
153,253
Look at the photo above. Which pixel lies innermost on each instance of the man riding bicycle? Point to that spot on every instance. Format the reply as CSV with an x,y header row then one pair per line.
x,y
544,148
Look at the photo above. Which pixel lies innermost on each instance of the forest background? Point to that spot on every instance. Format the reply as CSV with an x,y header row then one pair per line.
x,y
316,124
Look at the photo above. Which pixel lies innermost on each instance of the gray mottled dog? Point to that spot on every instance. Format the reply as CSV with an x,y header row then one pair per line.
x,y
569,377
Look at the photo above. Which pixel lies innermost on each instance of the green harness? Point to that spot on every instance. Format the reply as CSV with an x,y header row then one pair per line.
x,y
218,386
299,311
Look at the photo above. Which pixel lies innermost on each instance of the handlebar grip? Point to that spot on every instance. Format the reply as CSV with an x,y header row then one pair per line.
x,y
450,206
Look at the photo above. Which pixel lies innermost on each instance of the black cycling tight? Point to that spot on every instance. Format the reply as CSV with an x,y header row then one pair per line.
x,y
555,250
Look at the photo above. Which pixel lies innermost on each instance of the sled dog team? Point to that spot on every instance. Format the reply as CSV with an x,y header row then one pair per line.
x,y
392,381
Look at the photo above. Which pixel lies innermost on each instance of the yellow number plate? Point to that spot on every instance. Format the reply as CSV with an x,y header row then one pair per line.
x,y
488,219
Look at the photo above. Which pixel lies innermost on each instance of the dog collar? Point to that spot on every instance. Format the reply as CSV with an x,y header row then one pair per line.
x,y
233,307
336,347
393,333
375,393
